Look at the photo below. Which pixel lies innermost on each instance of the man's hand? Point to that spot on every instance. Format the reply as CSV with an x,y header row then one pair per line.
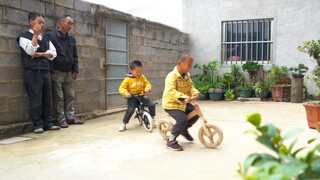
x,y
41,54
54,76
37,29
75,75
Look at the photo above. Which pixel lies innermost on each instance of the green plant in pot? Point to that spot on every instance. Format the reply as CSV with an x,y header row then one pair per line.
x,y
286,161
297,82
312,48
203,88
252,68
280,83
229,94
245,91
237,76
299,71
262,89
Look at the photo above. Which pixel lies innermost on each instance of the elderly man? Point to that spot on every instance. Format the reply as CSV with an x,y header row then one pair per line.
x,y
64,71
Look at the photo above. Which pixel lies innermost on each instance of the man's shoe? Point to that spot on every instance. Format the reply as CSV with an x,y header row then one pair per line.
x,y
63,124
173,145
187,135
38,131
54,128
75,120
122,128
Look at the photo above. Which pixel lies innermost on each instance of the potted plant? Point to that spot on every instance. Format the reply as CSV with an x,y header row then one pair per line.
x,y
297,82
227,79
280,83
245,91
252,68
312,48
299,71
286,160
229,95
216,92
262,89
203,88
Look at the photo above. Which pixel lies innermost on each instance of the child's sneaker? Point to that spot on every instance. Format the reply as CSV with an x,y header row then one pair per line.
x,y
173,145
122,128
187,135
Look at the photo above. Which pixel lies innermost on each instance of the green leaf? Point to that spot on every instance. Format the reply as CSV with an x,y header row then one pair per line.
x,y
292,133
292,144
283,149
311,140
254,119
250,161
277,139
267,142
271,130
297,151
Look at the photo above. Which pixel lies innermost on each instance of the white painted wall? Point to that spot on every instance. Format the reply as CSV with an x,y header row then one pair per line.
x,y
295,21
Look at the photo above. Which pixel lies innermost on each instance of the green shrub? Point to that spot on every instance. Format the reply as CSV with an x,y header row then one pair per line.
x,y
286,161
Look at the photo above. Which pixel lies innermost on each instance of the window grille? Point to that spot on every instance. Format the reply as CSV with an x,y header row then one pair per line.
x,y
247,40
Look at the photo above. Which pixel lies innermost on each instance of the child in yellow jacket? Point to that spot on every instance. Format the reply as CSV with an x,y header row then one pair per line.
x,y
178,93
135,83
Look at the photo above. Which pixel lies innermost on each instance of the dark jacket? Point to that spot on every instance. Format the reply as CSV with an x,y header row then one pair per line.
x,y
67,55
38,62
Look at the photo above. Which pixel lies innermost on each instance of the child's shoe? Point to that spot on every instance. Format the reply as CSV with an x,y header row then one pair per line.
x,y
187,135
122,128
173,145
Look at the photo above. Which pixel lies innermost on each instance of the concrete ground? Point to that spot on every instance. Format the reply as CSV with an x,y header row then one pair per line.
x,y
96,150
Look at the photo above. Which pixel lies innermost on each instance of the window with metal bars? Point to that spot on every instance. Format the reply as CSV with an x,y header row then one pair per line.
x,y
247,40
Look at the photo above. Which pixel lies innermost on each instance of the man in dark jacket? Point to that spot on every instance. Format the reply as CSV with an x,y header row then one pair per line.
x,y
64,70
37,52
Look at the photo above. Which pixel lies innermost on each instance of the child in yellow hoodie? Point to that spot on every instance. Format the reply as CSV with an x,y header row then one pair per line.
x,y
178,93
135,83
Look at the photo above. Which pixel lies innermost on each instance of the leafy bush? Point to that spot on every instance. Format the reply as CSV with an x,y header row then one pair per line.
x,y
284,163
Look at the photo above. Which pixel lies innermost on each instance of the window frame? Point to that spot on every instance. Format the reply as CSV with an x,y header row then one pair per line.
x,y
271,42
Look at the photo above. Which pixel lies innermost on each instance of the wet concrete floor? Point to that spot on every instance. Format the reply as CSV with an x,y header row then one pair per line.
x,y
96,150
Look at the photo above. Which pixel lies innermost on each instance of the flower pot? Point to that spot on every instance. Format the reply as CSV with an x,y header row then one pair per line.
x,y
262,95
313,115
245,93
281,93
215,96
204,96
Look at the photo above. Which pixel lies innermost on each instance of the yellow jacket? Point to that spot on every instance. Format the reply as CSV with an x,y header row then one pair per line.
x,y
134,85
177,87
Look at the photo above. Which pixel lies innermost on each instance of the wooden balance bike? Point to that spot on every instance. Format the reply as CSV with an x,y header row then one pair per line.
x,y
209,135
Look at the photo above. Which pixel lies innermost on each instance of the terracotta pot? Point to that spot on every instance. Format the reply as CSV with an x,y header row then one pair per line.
x,y
281,93
313,115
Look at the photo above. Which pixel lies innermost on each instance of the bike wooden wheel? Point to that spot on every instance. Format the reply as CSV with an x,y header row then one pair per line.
x,y
213,139
164,128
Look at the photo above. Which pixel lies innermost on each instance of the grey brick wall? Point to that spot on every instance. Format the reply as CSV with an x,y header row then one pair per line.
x,y
156,45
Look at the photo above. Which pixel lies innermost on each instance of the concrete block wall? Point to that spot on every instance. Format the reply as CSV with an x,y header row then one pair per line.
x,y
156,45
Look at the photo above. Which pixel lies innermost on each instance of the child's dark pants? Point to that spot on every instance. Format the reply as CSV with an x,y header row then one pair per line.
x,y
133,103
181,118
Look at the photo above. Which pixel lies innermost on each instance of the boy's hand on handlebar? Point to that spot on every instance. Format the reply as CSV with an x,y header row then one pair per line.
x,y
146,90
197,96
188,100
128,95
